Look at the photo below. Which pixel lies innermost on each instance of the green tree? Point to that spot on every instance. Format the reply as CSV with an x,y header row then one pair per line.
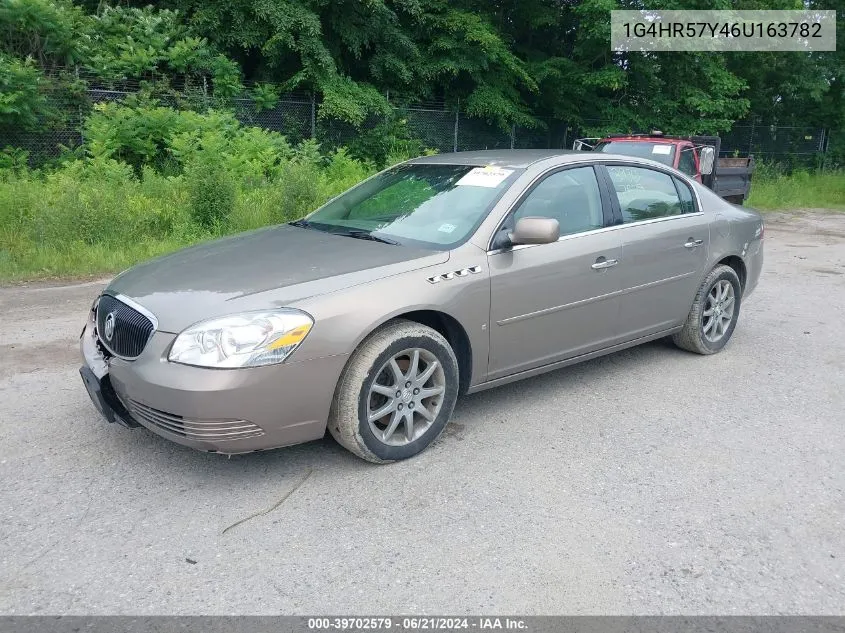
x,y
22,99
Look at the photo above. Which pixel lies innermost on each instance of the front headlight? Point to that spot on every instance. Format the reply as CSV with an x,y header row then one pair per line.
x,y
250,339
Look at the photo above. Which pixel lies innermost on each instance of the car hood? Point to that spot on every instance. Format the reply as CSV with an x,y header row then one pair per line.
x,y
267,268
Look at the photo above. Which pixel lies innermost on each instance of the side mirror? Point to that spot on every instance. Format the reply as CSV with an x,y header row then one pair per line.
x,y
706,160
535,231
585,144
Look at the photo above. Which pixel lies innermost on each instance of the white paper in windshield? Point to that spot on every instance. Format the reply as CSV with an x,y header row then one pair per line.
x,y
662,149
489,176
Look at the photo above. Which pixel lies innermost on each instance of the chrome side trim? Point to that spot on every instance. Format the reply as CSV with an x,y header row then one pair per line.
x,y
565,306
664,219
595,160
603,229
609,295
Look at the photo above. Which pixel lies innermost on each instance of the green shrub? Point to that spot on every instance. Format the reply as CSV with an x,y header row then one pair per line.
x,y
13,160
151,180
251,155
308,151
300,190
154,44
50,31
387,140
212,193
22,100
145,134
342,172
264,96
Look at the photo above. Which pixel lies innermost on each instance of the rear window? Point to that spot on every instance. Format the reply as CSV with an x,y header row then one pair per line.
x,y
661,152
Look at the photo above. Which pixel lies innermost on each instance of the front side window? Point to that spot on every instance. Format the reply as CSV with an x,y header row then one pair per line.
x,y
425,205
643,193
571,197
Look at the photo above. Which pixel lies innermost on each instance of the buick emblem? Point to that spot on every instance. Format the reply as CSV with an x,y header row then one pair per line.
x,y
108,326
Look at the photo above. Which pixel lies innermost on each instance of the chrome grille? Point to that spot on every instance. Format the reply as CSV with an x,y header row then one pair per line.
x,y
217,430
130,330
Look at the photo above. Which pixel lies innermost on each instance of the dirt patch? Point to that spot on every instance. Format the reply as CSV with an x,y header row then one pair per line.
x,y
813,223
23,359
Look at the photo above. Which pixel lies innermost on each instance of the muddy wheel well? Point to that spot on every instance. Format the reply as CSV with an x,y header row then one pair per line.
x,y
739,267
453,332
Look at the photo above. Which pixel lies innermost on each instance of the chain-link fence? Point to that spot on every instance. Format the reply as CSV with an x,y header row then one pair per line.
x,y
786,145
437,125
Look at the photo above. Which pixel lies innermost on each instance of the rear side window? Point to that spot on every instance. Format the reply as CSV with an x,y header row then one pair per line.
x,y
687,201
643,193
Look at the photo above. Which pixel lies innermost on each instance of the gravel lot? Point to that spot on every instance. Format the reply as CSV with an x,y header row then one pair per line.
x,y
650,481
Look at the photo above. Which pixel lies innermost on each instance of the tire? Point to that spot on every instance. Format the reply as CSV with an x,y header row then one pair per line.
x,y
698,332
369,376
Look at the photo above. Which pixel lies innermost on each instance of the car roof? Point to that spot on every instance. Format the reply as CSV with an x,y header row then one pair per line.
x,y
517,158
522,158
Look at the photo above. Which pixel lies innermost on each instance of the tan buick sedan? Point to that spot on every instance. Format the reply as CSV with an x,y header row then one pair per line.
x,y
443,275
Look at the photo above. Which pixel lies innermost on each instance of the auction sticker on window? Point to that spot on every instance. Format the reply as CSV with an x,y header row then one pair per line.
x,y
489,176
662,149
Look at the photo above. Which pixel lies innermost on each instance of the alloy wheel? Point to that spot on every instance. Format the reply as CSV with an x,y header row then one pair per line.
x,y
718,311
405,397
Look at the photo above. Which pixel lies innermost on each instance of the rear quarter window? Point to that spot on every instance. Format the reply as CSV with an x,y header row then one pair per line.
x,y
643,193
685,194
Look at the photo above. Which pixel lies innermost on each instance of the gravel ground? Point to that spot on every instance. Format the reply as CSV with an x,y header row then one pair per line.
x,y
651,481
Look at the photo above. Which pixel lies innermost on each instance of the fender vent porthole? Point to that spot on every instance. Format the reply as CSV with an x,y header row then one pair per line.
x,y
463,272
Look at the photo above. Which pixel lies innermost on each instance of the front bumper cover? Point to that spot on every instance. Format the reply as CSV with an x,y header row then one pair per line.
x,y
210,409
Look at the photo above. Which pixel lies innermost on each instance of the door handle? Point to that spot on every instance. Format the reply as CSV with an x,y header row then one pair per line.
x,y
693,243
604,263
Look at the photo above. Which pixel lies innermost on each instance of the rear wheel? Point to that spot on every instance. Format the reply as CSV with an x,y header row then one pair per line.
x,y
714,313
396,394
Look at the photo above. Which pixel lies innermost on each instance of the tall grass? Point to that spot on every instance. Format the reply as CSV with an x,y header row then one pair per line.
x,y
98,217
799,190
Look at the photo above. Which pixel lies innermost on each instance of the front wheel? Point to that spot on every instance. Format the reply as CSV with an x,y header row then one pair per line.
x,y
396,394
714,313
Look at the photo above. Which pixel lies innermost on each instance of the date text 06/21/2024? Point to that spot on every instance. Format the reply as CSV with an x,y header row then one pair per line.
x,y
419,623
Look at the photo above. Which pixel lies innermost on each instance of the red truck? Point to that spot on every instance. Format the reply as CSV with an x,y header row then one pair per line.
x,y
695,156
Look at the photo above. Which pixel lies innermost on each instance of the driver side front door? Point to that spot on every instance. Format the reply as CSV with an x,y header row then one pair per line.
x,y
550,302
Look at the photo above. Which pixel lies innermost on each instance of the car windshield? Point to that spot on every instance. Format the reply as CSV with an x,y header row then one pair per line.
x,y
661,152
425,205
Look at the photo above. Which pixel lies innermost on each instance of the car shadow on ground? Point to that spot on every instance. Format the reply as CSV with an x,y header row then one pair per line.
x,y
326,454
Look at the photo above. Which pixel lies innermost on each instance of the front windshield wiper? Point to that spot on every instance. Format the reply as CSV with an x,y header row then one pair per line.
x,y
356,233
366,235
